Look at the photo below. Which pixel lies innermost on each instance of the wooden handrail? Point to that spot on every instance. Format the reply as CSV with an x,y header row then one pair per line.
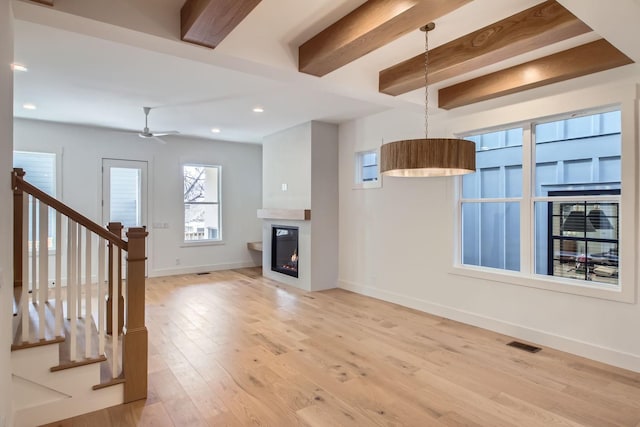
x,y
18,183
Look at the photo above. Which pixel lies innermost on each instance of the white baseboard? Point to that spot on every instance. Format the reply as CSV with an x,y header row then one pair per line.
x,y
544,338
193,269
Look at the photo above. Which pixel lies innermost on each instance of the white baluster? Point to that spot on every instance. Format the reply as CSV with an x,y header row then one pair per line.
x,y
58,289
70,258
101,295
88,295
43,242
72,290
79,272
24,299
114,314
34,250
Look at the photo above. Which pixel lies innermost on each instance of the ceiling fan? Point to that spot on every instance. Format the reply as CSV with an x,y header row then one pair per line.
x,y
146,133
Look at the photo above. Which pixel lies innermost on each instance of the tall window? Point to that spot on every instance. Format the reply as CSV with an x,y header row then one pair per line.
x,y
567,198
40,171
491,202
201,203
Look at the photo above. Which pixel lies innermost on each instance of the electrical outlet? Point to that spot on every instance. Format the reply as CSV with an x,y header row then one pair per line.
x,y
177,261
285,187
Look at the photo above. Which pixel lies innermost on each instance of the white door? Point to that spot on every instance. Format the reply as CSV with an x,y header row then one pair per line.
x,y
124,192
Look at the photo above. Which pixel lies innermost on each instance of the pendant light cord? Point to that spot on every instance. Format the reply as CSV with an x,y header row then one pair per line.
x,y
426,84
426,30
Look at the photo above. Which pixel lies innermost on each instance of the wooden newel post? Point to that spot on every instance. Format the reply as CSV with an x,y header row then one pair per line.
x,y
135,343
18,195
115,228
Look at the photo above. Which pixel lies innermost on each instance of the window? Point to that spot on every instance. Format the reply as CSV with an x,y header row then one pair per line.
x,y
556,214
583,238
366,169
40,171
491,202
124,200
201,203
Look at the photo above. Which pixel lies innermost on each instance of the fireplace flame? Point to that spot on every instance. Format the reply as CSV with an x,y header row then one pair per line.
x,y
294,257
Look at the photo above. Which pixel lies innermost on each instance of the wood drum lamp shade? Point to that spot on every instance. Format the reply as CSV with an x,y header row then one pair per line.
x,y
428,157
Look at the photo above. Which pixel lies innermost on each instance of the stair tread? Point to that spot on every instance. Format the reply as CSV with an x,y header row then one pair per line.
x,y
34,327
75,364
64,341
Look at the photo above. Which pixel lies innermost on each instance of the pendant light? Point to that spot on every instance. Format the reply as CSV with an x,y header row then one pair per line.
x,y
428,156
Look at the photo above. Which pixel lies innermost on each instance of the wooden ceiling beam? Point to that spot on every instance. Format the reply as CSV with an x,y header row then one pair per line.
x,y
208,22
528,30
579,61
369,27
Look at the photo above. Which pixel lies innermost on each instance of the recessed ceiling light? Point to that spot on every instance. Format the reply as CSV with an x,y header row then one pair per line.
x,y
29,106
215,130
258,110
18,67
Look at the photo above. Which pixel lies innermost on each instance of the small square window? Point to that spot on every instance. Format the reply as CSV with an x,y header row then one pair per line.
x,y
366,170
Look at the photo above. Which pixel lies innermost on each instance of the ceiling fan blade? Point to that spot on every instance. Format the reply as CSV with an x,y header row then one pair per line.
x,y
155,139
165,133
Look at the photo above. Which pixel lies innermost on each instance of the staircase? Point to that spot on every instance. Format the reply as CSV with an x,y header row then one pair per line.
x,y
74,350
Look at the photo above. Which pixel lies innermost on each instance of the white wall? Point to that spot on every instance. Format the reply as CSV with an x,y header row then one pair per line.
x,y
304,158
324,205
397,242
287,160
6,211
82,150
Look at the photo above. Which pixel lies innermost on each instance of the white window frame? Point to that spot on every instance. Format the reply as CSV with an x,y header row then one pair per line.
x,y
358,183
622,99
203,242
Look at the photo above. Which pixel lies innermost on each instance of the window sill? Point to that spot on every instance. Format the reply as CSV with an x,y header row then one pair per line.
x,y
567,286
368,185
198,243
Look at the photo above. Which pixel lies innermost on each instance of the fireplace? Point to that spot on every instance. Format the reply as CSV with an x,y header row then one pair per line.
x,y
284,250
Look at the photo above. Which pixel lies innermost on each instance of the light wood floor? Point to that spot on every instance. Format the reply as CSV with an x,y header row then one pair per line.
x,y
234,349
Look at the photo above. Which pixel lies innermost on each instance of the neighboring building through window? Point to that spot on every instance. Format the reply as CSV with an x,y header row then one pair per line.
x,y
568,197
366,169
40,169
201,203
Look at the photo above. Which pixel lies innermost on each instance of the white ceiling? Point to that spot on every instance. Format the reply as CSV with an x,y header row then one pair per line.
x,y
97,63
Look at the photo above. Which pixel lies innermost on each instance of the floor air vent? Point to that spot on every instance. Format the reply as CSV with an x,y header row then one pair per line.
x,y
202,274
525,347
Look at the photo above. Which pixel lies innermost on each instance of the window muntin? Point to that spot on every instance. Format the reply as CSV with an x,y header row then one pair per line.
x,y
572,154
201,203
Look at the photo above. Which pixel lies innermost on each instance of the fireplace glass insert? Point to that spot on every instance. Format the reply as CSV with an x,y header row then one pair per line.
x,y
284,250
